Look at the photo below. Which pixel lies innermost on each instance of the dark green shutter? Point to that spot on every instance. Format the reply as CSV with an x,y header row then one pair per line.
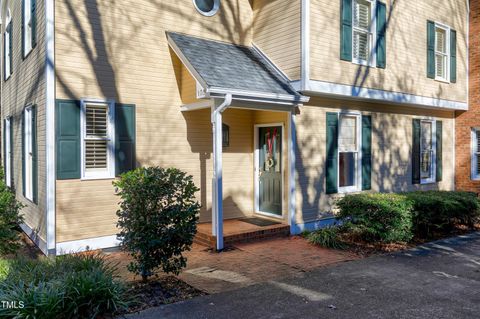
x,y
34,155
331,166
34,22
416,152
381,35
431,49
11,152
23,152
4,149
346,31
453,56
68,139
439,150
366,152
124,138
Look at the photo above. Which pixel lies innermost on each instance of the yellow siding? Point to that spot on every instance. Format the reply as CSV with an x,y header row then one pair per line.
x,y
26,86
276,31
391,152
406,48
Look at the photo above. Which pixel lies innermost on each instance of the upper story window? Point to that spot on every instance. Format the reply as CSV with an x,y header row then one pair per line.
x,y
98,142
441,52
28,25
207,7
7,47
362,31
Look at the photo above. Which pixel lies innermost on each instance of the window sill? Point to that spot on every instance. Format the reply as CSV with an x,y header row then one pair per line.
x,y
442,80
25,56
7,78
428,182
348,190
97,178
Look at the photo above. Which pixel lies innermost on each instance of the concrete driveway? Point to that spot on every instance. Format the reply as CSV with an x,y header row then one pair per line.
x,y
437,280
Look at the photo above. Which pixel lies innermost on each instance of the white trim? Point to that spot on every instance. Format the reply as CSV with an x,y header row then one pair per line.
x,y
305,47
78,246
473,158
195,106
33,235
358,168
292,181
28,152
433,178
50,122
216,6
110,171
257,168
265,95
296,229
336,90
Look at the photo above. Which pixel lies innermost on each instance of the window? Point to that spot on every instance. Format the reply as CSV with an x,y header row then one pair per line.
x,y
7,47
348,153
362,31
28,149
476,153
27,20
427,151
207,7
442,46
8,151
98,143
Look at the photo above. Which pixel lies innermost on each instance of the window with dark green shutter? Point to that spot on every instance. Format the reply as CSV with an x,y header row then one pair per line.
x,y
439,151
346,31
427,151
125,137
441,52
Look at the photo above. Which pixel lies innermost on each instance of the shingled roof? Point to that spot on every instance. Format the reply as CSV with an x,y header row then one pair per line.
x,y
229,66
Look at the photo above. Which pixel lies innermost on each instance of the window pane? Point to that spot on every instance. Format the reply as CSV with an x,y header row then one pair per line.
x,y
441,43
477,133
347,140
96,121
361,47
205,5
478,164
441,65
347,168
426,155
362,14
95,154
427,135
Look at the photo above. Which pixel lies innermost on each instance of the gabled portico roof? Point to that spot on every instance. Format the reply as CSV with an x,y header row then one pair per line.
x,y
221,68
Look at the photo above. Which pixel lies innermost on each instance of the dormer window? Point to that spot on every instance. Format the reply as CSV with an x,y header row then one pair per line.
x,y
207,7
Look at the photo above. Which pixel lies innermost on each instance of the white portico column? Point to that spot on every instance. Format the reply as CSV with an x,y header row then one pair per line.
x,y
218,106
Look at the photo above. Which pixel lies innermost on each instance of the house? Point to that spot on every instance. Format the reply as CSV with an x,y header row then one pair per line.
x,y
467,132
275,107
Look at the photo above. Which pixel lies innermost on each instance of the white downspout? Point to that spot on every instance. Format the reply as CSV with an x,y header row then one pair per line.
x,y
217,190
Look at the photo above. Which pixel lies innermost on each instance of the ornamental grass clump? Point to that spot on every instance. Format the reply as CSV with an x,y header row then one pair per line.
x,y
157,218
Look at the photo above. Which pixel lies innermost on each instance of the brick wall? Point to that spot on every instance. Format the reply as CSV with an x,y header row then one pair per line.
x,y
466,120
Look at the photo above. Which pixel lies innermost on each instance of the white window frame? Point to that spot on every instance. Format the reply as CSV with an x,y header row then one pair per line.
x,y
6,47
8,152
447,29
372,36
433,176
358,168
216,7
109,173
473,155
27,27
28,155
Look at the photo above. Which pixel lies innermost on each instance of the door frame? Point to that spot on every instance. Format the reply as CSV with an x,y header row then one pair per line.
x,y
256,168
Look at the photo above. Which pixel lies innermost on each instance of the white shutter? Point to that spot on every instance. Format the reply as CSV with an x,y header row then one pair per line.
x,y
361,26
96,137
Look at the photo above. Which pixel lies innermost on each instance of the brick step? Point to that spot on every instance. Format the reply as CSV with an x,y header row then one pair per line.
x,y
208,240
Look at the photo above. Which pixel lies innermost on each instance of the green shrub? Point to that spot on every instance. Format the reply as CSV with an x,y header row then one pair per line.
x,y
157,218
79,286
10,218
442,210
377,217
327,237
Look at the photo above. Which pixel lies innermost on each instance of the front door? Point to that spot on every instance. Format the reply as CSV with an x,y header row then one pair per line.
x,y
270,170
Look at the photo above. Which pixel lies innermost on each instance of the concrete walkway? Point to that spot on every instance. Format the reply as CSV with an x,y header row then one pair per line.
x,y
437,280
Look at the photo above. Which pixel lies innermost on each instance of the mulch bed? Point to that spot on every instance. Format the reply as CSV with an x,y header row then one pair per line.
x,y
365,249
160,291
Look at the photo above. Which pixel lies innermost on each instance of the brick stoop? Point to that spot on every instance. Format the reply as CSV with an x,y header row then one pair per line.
x,y
205,238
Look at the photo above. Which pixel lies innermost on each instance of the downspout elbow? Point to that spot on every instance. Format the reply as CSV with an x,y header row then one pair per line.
x,y
222,107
